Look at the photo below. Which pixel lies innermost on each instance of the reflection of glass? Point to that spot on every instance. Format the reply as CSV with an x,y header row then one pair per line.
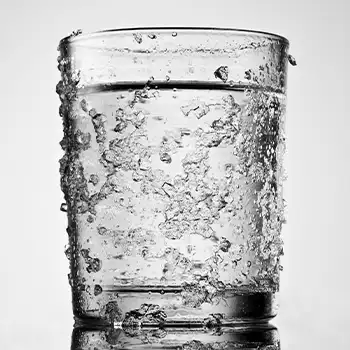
x,y
264,337
172,174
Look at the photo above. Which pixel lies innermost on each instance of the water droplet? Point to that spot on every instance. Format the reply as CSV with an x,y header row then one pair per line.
x,y
165,157
144,252
222,73
95,265
83,105
174,34
84,253
83,139
92,112
248,74
152,36
101,230
292,60
97,290
70,280
249,263
76,33
68,252
138,38
90,219
63,207
168,189
137,177
120,125
280,267
119,113
167,78
225,245
94,179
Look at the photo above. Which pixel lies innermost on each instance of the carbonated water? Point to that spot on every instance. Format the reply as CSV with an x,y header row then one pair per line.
x,y
174,200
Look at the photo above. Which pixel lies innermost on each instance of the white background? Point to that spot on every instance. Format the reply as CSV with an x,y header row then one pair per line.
x,y
34,292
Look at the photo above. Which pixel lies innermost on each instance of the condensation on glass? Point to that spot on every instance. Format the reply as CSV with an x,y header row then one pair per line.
x,y
172,174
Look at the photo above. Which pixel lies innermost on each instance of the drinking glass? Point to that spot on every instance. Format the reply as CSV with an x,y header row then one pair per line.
x,y
172,174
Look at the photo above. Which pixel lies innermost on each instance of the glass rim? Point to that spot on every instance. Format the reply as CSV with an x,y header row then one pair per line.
x,y
70,38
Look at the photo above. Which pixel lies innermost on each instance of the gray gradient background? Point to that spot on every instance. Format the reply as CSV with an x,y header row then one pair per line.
x,y
34,292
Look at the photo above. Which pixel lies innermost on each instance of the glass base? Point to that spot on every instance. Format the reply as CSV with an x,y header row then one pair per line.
x,y
263,336
174,308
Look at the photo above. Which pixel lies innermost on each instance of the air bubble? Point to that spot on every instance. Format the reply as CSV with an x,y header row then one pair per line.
x,y
119,113
222,73
137,177
63,207
167,78
120,125
68,252
248,74
144,252
101,230
83,105
165,157
83,139
152,36
168,189
97,289
94,179
292,60
95,265
225,245
70,280
92,112
76,33
138,38
174,34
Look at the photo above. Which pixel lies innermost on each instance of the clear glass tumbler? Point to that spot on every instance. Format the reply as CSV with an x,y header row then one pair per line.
x,y
172,174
